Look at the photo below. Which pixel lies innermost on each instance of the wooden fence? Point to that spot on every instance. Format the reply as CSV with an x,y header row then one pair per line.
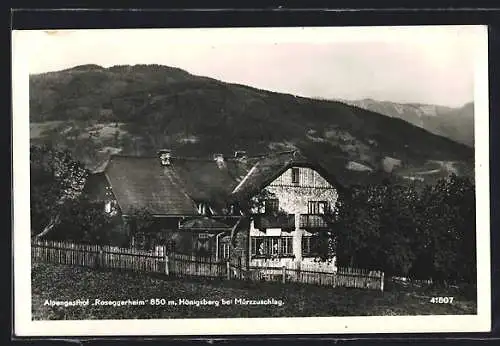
x,y
313,274
405,281
96,256
174,264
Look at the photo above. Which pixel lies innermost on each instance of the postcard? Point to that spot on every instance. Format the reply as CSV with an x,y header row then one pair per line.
x,y
230,181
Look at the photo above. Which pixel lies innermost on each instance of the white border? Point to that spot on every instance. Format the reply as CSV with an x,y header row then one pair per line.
x,y
24,326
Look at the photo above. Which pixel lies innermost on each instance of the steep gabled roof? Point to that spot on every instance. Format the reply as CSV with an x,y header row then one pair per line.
x,y
206,180
141,182
175,189
269,167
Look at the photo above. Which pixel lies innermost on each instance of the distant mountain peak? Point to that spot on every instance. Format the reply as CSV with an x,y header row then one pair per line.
x,y
456,123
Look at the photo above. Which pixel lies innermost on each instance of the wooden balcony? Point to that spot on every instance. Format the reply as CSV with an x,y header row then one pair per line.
x,y
311,221
283,221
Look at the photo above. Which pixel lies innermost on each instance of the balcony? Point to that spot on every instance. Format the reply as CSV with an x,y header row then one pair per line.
x,y
310,221
283,221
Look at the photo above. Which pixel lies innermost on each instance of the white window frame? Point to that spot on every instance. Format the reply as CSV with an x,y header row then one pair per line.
x,y
297,175
273,246
317,207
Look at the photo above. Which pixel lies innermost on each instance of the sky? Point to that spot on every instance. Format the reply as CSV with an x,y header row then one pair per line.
x,y
433,65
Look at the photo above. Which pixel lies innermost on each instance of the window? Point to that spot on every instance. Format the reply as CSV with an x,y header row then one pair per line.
x,y
295,175
272,205
107,207
139,241
286,245
110,207
160,250
271,246
143,241
317,207
202,208
170,245
310,245
225,250
202,243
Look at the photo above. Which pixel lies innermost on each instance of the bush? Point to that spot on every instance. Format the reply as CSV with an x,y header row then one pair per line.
x,y
84,221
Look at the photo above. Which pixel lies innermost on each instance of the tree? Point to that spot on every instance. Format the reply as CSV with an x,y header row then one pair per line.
x,y
397,229
403,231
56,179
448,229
83,221
247,207
377,227
358,228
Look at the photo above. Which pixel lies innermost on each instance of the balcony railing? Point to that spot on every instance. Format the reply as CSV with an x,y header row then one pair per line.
x,y
284,221
312,221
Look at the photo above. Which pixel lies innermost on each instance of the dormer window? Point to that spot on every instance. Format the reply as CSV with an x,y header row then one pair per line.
x,y
295,176
205,209
202,208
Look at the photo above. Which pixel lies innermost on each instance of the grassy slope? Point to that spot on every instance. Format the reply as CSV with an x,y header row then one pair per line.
x,y
60,282
145,108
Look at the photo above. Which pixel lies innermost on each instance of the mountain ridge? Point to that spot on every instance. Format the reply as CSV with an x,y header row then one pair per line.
x,y
456,123
97,111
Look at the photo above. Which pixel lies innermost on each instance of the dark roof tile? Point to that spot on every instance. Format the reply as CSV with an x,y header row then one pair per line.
x,y
141,182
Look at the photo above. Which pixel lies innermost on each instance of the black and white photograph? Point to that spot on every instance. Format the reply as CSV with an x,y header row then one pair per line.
x,y
251,180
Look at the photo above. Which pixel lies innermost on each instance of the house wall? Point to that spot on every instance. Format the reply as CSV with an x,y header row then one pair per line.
x,y
312,186
293,199
165,231
97,187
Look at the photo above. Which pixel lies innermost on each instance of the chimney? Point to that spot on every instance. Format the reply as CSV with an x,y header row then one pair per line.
x,y
240,154
219,158
165,155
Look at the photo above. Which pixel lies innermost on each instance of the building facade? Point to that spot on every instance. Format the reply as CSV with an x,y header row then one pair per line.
x,y
301,197
266,209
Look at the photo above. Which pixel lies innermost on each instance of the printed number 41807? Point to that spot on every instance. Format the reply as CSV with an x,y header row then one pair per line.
x,y
442,300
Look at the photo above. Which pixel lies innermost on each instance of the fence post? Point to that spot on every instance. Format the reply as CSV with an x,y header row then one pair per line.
x,y
166,264
382,282
228,270
240,268
101,253
298,270
283,271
